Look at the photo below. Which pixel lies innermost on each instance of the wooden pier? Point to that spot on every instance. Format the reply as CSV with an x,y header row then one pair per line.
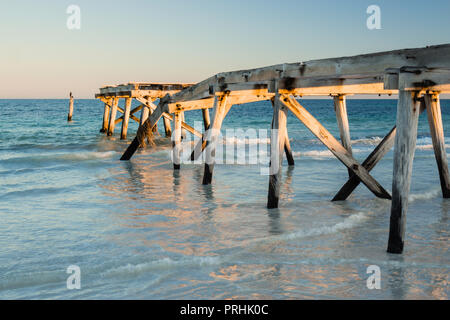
x,y
145,94
417,76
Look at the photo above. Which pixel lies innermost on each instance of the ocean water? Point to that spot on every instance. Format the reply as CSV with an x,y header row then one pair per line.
x,y
139,230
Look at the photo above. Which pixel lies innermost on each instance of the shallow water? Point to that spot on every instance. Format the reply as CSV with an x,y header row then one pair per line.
x,y
138,230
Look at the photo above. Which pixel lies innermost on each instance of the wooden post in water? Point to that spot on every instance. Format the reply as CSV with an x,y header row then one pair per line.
x,y
183,131
167,127
144,114
287,145
106,116
126,119
288,151
437,135
206,119
408,110
277,143
112,118
142,131
69,116
340,107
220,111
176,142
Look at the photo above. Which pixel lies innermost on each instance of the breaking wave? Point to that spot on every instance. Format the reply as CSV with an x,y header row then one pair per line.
x,y
162,264
348,223
425,196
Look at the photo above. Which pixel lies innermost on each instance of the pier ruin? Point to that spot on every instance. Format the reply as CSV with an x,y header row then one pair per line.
x,y
417,76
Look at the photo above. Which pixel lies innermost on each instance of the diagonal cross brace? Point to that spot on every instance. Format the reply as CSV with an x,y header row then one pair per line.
x,y
334,146
371,161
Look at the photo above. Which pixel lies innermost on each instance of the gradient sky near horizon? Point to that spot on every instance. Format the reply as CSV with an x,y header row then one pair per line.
x,y
188,41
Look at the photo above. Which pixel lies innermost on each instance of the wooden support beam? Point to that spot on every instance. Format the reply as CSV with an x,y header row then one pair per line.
x,y
206,118
287,144
176,141
142,131
380,151
184,125
183,131
374,63
340,107
408,110
106,111
69,116
219,113
201,144
277,143
287,150
421,78
167,127
108,103
148,101
126,118
334,146
371,161
433,107
119,120
144,115
112,119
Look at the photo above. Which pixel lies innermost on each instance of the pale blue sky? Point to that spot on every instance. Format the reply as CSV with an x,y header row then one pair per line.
x,y
188,41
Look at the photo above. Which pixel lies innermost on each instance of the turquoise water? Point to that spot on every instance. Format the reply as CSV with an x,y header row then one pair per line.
x,y
137,230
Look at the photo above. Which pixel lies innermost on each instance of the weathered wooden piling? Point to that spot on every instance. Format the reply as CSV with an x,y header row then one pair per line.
x,y
106,111
340,107
183,131
69,116
408,110
433,107
167,127
287,145
144,114
112,118
288,150
219,112
277,143
176,141
126,119
206,118
417,75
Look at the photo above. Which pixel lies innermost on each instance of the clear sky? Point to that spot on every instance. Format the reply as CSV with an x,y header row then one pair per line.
x,y
190,40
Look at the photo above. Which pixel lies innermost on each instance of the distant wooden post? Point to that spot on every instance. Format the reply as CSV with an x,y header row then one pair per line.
x,y
220,111
126,118
176,141
408,110
277,143
340,107
437,135
112,118
106,116
69,116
